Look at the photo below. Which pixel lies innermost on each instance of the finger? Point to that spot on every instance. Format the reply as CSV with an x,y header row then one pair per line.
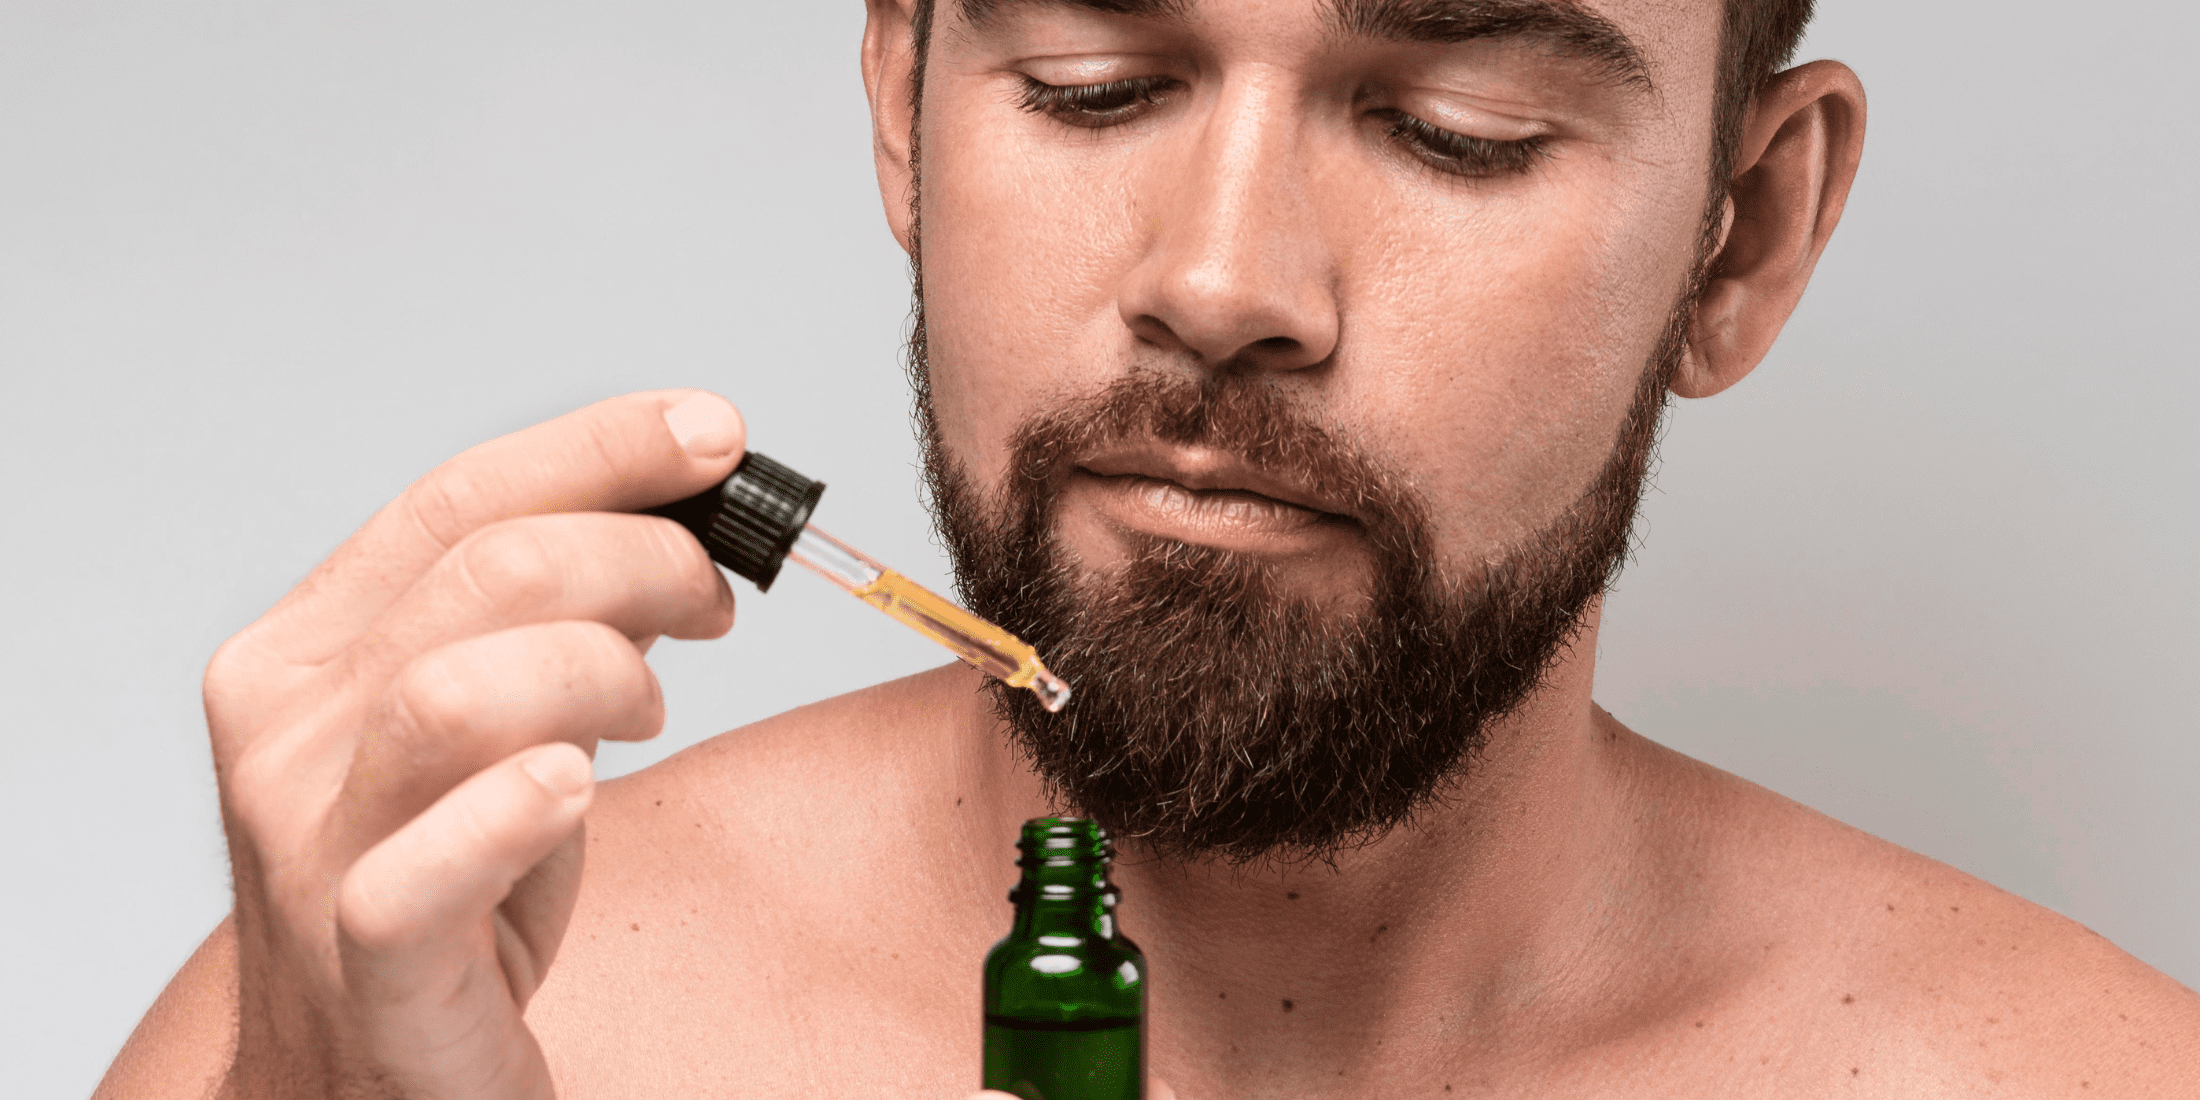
x,y
620,455
535,913
461,708
414,909
641,575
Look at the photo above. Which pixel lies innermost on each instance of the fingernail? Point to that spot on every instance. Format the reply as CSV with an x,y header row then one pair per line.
x,y
562,773
706,426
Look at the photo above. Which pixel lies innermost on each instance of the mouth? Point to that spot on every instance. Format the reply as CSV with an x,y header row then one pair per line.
x,y
1210,498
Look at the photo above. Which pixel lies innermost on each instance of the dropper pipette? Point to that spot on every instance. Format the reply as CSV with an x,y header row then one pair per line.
x,y
759,518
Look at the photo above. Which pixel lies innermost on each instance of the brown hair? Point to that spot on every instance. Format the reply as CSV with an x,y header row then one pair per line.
x,y
1756,39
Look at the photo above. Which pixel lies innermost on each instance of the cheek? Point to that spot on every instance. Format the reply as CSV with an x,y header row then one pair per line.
x,y
1020,255
1507,334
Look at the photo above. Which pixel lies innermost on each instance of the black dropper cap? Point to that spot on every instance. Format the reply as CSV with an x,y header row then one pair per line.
x,y
749,521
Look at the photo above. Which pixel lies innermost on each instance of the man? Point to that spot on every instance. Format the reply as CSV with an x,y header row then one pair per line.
x,y
1289,369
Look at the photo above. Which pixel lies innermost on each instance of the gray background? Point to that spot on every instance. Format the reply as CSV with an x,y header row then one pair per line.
x,y
262,264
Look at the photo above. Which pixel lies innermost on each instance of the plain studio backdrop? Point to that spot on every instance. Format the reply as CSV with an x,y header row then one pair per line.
x,y
261,265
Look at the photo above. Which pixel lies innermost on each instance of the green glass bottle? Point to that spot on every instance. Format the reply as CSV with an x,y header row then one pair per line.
x,y
1065,993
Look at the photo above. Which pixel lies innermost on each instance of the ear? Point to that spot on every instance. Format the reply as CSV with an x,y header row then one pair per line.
x,y
1799,150
890,82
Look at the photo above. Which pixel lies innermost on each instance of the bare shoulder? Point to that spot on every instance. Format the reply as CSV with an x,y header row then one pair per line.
x,y
743,894
843,759
1895,966
856,787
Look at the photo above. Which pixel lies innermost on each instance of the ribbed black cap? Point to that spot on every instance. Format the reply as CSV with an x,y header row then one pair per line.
x,y
749,521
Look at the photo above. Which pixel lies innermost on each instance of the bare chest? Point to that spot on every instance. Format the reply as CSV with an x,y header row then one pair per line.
x,y
711,1008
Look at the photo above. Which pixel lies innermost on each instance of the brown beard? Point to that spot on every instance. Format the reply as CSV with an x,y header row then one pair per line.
x,y
1216,715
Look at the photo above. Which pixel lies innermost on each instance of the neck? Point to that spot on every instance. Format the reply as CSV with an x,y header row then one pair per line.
x,y
1489,914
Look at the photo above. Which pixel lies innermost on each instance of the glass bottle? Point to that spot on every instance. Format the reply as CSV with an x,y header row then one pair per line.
x,y
1065,993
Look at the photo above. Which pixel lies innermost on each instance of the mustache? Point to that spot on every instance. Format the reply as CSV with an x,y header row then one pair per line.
x,y
1242,416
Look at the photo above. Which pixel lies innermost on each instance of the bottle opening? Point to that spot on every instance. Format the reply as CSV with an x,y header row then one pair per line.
x,y
1062,841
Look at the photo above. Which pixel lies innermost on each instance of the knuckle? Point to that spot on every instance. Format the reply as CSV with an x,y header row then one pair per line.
x,y
512,568
252,695
229,673
447,504
249,783
246,673
260,792
432,695
368,919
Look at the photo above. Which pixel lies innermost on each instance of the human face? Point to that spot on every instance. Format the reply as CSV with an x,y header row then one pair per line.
x,y
1265,190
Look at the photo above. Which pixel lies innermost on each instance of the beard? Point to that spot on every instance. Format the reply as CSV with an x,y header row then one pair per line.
x,y
1215,713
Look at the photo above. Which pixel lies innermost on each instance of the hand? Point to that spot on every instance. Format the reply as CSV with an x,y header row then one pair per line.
x,y
403,748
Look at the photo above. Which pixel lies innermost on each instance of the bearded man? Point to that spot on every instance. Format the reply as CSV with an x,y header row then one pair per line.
x,y
1288,370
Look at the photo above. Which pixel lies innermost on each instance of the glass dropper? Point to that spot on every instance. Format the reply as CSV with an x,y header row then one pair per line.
x,y
992,650
759,518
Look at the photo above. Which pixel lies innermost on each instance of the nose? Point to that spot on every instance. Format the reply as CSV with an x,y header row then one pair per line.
x,y
1234,270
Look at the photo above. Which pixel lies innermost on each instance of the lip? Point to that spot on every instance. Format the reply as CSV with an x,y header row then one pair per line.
x,y
1208,497
1206,470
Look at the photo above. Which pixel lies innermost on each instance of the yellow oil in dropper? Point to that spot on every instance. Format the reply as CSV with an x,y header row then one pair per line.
x,y
983,645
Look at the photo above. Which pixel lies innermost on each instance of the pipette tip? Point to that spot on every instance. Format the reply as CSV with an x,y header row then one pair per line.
x,y
1052,692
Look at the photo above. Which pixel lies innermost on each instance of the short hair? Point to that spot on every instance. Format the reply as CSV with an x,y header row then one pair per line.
x,y
1757,38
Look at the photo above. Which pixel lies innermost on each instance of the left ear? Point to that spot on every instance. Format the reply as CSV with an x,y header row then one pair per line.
x,y
1799,151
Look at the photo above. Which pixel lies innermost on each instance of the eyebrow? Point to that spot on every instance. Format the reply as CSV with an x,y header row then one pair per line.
x,y
977,12
1562,26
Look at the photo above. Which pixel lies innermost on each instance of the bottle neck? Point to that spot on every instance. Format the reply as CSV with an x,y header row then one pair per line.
x,y
1064,889
1053,908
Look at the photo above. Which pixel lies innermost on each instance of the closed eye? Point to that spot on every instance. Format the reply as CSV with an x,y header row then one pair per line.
x,y
1095,106
1464,154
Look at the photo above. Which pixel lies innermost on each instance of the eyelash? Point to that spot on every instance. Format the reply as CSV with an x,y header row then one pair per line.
x,y
1463,154
1097,106
1094,106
